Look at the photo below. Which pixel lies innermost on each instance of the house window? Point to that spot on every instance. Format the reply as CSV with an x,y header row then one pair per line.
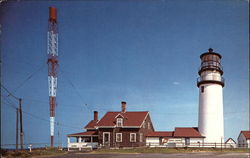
x,y
148,125
118,137
202,89
132,137
187,141
119,122
141,137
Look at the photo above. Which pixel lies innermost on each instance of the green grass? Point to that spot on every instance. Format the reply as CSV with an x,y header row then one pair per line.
x,y
169,150
34,153
55,152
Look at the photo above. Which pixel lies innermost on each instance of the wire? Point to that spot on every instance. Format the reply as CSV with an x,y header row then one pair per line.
x,y
11,105
10,94
77,92
40,118
29,77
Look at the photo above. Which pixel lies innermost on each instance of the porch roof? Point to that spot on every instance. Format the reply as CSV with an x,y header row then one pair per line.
x,y
88,133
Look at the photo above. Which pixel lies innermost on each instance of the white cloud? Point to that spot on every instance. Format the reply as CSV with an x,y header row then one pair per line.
x,y
176,83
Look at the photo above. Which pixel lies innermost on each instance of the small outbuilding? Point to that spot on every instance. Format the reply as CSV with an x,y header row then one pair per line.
x,y
181,137
159,138
230,143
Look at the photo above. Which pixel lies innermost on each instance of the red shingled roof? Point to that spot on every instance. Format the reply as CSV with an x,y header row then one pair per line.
x,y
88,133
91,124
160,134
130,118
246,134
187,132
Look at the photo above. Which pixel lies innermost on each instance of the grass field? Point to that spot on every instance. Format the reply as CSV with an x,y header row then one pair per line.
x,y
35,153
170,150
55,152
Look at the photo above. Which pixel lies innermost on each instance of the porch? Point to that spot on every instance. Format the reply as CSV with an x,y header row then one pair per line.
x,y
84,140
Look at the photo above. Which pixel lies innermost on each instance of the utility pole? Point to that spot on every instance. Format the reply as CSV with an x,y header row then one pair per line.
x,y
58,140
19,110
17,129
21,123
58,134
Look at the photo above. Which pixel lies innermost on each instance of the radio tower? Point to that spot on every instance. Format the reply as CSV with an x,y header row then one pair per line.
x,y
52,68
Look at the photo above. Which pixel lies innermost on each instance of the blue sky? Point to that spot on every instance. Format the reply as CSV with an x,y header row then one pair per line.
x,y
143,52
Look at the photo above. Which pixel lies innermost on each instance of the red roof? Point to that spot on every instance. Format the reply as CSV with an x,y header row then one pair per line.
x,y
246,134
160,134
130,118
91,124
187,132
88,133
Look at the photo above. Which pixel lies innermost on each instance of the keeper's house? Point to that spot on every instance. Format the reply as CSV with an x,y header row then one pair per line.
x,y
244,139
131,129
114,129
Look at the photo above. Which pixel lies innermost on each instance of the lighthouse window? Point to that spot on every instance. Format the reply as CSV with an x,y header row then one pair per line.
x,y
202,89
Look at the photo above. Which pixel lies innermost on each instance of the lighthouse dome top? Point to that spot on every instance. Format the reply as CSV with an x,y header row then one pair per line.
x,y
210,52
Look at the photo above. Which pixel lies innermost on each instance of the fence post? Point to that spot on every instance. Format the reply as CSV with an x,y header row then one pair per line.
x,y
221,145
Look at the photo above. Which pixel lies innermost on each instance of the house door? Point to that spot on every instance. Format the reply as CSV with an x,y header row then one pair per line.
x,y
106,138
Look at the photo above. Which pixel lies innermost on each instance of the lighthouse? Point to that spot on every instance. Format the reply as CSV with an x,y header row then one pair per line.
x,y
210,83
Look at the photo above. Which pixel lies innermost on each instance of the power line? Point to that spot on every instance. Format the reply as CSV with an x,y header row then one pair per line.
x,y
10,94
29,77
40,118
77,92
12,106
160,113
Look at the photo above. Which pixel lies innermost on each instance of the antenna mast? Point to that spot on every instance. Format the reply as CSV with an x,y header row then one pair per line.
x,y
52,67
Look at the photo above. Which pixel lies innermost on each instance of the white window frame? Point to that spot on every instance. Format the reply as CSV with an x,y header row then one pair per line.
x,y
148,125
141,137
119,120
130,138
116,136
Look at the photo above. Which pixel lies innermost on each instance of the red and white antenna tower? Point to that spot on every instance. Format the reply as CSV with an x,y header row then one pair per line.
x,y
52,68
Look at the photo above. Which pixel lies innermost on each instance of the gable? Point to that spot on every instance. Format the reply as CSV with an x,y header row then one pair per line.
x,y
230,141
119,116
246,134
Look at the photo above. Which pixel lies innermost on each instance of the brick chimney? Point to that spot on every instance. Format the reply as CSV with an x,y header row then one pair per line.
x,y
95,116
123,106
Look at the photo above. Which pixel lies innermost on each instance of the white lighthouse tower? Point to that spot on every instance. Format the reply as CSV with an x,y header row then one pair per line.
x,y
210,84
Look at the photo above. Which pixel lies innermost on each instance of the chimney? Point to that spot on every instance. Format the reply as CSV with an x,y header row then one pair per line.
x,y
123,106
95,116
